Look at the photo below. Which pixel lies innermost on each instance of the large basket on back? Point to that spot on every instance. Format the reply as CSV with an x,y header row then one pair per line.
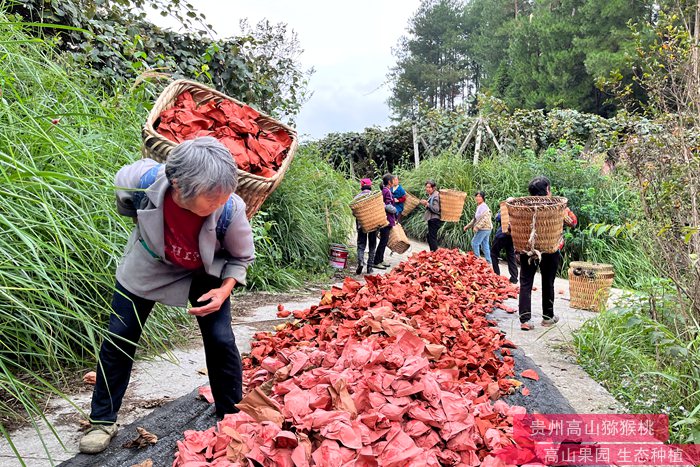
x,y
369,211
253,189
398,241
410,204
537,222
451,205
590,284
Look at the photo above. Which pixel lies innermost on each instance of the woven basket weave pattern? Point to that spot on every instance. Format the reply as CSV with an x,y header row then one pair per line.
x,y
370,212
411,203
505,218
549,222
451,205
589,285
398,241
254,189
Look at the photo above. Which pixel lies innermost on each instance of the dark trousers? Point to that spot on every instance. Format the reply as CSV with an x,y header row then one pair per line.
x,y
504,242
362,240
548,268
129,314
433,227
383,240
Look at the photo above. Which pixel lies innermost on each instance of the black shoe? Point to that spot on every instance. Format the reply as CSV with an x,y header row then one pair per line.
x,y
514,281
369,269
359,269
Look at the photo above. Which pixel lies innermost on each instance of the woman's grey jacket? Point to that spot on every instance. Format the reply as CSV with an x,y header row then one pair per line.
x,y
148,274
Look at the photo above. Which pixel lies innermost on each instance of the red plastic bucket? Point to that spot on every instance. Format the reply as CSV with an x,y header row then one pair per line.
x,y
339,256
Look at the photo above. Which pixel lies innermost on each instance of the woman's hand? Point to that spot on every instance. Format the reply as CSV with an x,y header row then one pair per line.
x,y
216,298
466,227
424,202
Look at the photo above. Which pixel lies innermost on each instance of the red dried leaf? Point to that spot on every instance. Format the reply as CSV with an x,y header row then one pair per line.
x,y
530,374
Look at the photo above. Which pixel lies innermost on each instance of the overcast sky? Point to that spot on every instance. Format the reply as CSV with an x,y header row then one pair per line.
x,y
347,43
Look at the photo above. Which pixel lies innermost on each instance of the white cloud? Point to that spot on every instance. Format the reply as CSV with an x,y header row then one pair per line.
x,y
348,43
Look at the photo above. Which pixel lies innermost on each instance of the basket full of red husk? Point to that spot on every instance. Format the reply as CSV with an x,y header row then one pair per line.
x,y
262,146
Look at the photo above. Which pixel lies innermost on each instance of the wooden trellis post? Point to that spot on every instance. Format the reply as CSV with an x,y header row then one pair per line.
x,y
479,125
416,157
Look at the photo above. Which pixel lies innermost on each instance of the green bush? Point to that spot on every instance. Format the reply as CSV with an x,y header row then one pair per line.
x,y
649,361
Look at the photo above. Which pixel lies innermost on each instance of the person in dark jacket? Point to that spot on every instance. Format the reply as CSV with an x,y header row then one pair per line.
x,y
548,265
390,217
432,213
503,241
365,237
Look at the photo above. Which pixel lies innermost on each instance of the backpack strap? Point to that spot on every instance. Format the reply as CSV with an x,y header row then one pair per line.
x,y
146,180
224,220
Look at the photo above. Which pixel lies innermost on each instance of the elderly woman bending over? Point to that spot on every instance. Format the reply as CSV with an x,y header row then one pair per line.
x,y
191,242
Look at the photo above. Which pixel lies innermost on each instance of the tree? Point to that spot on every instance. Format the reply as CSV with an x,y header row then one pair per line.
x,y
112,40
432,65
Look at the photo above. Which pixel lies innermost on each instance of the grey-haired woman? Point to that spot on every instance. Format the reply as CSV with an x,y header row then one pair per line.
x,y
191,242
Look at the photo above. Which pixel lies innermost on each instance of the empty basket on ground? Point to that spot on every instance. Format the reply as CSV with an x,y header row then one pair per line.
x,y
505,218
398,241
254,189
537,222
410,204
451,205
589,284
370,212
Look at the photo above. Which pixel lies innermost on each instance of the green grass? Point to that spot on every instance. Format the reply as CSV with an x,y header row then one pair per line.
x,y
61,140
308,211
649,366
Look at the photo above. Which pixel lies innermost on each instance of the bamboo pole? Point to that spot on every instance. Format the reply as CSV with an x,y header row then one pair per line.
x,y
416,155
477,145
493,137
468,138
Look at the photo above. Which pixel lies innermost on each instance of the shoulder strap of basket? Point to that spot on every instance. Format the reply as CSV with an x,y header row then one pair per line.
x,y
146,181
148,178
533,254
224,220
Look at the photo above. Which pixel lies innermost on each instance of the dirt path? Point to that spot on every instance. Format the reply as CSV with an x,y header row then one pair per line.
x,y
171,382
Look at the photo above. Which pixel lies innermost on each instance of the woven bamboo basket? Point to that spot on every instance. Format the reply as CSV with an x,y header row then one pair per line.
x,y
369,211
505,218
590,284
451,205
253,189
548,215
398,241
410,204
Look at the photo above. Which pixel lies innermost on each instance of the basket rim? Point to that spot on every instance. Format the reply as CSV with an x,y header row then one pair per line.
x,y
365,198
544,202
160,105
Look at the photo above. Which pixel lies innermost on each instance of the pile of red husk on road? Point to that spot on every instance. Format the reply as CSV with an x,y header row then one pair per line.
x,y
256,151
404,370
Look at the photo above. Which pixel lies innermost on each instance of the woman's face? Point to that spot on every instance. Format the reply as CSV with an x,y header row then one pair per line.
x,y
203,204
478,199
429,188
395,182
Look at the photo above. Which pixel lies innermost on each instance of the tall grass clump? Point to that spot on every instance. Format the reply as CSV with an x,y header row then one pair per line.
x,y
61,141
307,213
647,359
594,197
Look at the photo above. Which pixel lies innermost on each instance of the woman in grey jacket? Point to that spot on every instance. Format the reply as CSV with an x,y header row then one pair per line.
x,y
432,213
191,242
